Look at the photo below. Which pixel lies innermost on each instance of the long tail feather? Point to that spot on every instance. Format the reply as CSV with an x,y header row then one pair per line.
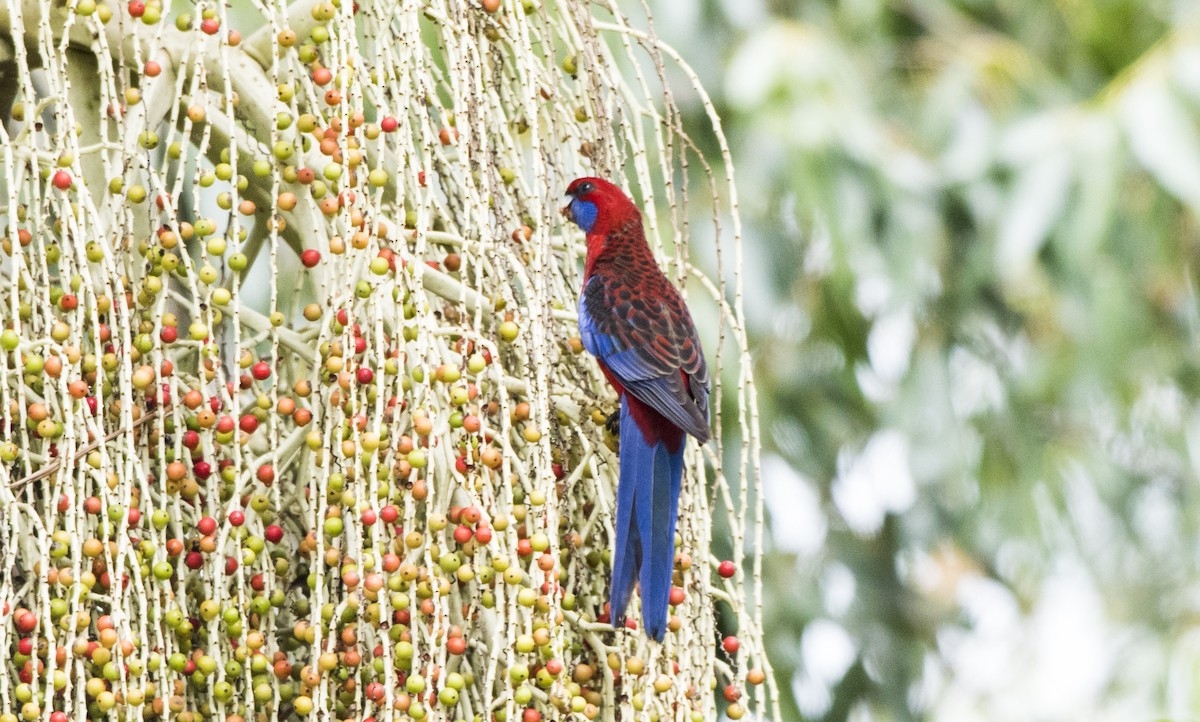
x,y
647,504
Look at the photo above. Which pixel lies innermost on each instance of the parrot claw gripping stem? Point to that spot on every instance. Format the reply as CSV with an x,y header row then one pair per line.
x,y
613,423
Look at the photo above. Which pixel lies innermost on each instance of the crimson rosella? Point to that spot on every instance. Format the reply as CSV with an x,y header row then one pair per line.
x,y
633,320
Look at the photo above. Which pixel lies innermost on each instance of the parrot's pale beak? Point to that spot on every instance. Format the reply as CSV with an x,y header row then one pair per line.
x,y
566,212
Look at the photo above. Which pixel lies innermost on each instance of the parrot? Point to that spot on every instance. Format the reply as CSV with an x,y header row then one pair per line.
x,y
636,324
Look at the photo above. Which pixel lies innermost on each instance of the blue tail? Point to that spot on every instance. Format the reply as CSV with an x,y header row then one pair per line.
x,y
647,505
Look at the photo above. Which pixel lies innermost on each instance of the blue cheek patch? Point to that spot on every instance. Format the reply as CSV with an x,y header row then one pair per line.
x,y
584,214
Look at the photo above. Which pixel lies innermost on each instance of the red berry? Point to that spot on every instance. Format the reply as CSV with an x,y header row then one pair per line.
x,y
483,534
207,525
225,424
730,644
137,8
210,26
726,569
202,469
365,375
26,621
249,423
62,180
231,565
322,76
266,474
191,439
463,534
343,317
531,715
732,693
310,257
135,516
388,124
260,370
389,514
25,646
471,515
675,596
456,645
369,517
194,560
151,69
237,518
168,334
274,533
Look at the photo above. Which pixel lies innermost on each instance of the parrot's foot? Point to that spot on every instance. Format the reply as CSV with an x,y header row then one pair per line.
x,y
613,424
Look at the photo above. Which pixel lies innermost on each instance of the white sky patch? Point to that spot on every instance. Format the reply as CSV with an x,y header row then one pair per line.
x,y
1050,664
826,651
798,524
837,589
975,384
1072,655
874,482
813,697
983,657
873,293
890,344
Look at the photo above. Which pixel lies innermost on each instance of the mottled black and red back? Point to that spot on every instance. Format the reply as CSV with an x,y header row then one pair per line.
x,y
641,329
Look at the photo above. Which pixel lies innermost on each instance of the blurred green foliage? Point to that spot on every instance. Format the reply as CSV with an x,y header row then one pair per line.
x,y
973,244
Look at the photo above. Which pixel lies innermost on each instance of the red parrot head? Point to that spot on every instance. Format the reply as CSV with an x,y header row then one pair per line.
x,y
593,200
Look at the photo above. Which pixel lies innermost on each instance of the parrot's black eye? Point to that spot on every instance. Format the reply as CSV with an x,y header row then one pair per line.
x,y
585,187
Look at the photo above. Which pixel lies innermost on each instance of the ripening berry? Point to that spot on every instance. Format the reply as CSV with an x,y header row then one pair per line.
x,y
62,180
730,644
207,526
